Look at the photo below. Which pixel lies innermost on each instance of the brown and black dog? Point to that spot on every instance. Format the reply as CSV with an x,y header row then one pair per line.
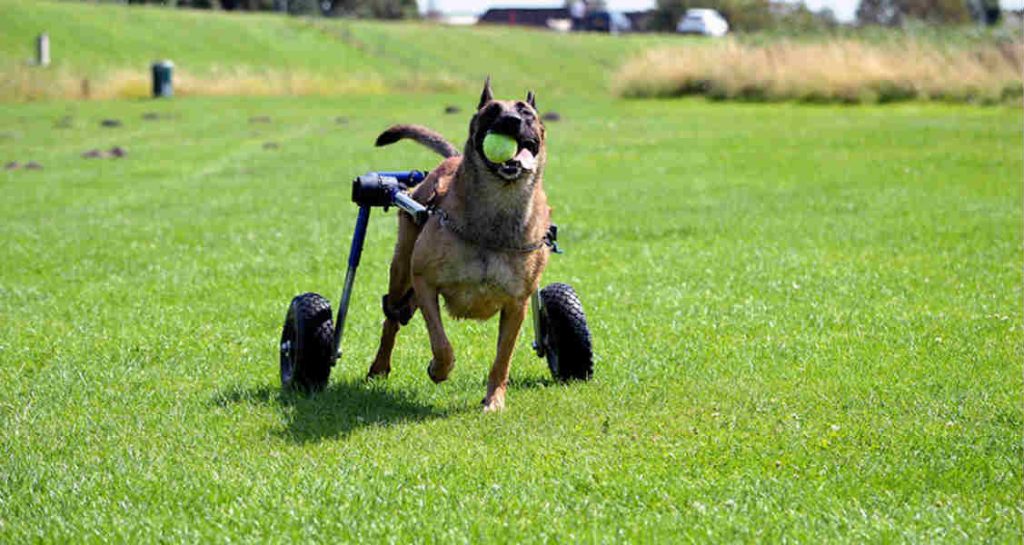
x,y
483,247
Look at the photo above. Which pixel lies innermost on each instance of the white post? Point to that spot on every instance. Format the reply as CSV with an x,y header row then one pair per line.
x,y
43,50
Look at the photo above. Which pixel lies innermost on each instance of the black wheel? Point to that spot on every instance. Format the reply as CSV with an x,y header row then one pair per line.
x,y
565,334
307,341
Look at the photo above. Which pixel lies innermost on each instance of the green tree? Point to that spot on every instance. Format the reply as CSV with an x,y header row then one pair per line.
x,y
938,11
878,12
304,7
798,19
897,12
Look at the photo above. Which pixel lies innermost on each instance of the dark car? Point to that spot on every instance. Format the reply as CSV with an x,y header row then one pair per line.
x,y
612,22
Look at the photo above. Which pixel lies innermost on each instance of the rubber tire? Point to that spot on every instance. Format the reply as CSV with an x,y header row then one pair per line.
x,y
310,329
565,333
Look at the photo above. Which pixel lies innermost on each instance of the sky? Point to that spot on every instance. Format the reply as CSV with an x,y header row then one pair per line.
x,y
844,9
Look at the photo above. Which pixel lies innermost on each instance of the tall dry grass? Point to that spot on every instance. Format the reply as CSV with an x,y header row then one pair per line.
x,y
27,83
840,70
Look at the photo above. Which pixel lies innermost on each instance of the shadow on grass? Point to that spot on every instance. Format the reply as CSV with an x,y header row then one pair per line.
x,y
530,382
346,406
336,411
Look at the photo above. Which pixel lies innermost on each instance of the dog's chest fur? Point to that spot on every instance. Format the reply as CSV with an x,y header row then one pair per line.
x,y
476,282
484,283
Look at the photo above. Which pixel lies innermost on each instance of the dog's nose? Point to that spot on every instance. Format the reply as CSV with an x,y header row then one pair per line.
x,y
507,124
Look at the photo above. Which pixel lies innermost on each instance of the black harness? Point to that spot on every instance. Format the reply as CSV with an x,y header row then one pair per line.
x,y
550,238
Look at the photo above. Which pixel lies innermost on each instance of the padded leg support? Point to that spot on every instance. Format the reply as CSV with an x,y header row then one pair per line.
x,y
401,311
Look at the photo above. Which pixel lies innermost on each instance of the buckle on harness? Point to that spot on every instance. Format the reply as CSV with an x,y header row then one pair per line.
x,y
551,239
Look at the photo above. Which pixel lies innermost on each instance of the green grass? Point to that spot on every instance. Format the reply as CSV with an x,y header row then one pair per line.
x,y
807,326
106,44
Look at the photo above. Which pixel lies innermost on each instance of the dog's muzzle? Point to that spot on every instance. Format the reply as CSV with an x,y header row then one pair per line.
x,y
525,159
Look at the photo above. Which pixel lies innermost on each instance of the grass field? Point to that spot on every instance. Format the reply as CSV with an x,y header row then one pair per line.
x,y
104,52
807,324
263,54
807,319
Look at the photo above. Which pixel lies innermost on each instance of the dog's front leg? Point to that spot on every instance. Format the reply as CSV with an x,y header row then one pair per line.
x,y
508,332
444,357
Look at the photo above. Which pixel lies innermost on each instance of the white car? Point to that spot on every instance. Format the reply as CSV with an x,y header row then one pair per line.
x,y
706,22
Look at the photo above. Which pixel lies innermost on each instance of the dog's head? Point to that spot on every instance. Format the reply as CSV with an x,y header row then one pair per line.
x,y
515,118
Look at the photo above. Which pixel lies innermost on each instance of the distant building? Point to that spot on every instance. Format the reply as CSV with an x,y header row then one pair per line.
x,y
523,16
548,17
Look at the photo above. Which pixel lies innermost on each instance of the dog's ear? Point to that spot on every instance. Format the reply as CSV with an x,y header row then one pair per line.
x,y
486,96
531,99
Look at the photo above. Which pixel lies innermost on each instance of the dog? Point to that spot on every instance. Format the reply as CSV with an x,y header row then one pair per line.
x,y
482,249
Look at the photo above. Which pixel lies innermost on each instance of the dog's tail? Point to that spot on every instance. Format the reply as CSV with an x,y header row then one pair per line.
x,y
421,134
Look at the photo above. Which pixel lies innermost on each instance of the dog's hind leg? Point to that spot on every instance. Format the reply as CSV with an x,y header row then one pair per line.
x,y
400,303
381,365
511,321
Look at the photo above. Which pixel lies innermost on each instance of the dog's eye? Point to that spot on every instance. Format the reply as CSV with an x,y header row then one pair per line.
x,y
488,114
492,111
524,109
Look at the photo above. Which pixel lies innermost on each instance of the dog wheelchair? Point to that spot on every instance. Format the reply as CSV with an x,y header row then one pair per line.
x,y
311,341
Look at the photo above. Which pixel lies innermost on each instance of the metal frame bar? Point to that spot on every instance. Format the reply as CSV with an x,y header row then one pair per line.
x,y
354,254
537,312
394,183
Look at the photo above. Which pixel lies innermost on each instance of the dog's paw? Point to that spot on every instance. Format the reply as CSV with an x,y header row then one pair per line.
x,y
438,373
493,403
378,371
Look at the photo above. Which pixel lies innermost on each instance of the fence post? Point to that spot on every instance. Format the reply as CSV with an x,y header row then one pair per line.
x,y
43,49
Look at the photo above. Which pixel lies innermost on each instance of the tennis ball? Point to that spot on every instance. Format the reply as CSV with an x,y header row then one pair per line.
x,y
499,148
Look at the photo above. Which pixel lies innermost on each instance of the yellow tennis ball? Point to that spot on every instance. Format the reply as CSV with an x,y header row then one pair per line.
x,y
499,147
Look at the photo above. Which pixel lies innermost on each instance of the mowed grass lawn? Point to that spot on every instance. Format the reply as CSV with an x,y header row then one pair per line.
x,y
807,325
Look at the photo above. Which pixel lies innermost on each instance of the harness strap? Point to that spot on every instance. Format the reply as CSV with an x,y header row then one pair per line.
x,y
457,230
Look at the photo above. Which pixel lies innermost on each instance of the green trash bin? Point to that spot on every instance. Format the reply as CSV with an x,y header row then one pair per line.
x,y
162,79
